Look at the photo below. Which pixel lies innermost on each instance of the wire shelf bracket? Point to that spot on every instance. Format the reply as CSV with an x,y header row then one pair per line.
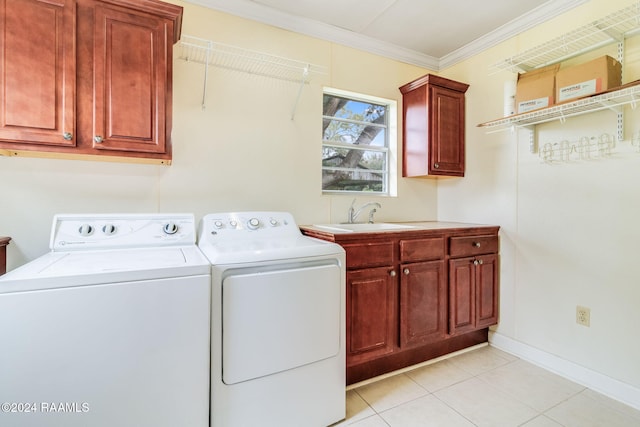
x,y
209,53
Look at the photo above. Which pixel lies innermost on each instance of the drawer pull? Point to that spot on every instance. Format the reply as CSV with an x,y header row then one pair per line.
x,y
392,273
477,262
406,271
476,244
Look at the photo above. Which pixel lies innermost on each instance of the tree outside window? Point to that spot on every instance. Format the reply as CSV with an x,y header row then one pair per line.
x,y
355,145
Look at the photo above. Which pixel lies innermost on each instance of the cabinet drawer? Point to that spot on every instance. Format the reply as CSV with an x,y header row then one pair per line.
x,y
473,245
421,249
369,254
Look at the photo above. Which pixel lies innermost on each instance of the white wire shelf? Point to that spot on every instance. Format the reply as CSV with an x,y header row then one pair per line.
x,y
209,53
628,94
613,28
203,51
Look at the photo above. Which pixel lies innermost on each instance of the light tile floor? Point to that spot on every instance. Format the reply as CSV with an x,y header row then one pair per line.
x,y
483,387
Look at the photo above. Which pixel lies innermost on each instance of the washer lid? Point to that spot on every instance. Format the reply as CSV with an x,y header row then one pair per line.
x,y
80,268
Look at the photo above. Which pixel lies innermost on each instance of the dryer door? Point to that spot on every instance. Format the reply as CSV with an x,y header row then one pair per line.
x,y
278,320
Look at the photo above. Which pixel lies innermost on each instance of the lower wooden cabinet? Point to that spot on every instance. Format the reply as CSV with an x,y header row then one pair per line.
x,y
4,241
423,303
415,295
473,293
370,314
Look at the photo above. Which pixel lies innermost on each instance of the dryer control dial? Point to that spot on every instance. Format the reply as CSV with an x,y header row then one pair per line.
x,y
85,230
170,228
109,229
253,223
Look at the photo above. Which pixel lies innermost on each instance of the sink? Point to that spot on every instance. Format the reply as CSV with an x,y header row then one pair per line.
x,y
362,228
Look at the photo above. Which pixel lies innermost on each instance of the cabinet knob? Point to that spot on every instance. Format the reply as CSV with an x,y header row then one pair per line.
x,y
68,136
98,139
476,262
406,271
476,244
392,273
436,165
480,262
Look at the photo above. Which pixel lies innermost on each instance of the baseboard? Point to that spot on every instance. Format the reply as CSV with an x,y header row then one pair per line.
x,y
603,384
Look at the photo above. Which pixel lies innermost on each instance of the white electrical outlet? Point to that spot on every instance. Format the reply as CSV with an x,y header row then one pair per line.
x,y
583,316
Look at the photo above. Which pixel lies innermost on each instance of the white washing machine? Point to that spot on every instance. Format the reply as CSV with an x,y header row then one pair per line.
x,y
110,328
278,322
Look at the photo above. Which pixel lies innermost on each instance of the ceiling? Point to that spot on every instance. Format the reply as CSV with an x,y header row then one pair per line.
x,y
434,34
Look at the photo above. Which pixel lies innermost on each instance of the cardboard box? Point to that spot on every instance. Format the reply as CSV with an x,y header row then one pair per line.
x,y
536,89
587,79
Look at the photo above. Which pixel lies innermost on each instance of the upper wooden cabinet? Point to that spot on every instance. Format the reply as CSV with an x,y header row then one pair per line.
x,y
433,111
88,77
37,73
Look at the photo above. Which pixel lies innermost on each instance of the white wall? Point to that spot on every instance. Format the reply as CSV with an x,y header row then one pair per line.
x,y
569,230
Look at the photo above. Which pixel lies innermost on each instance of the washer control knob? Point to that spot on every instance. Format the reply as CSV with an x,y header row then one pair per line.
x,y
233,223
85,230
273,222
253,223
170,228
217,224
109,229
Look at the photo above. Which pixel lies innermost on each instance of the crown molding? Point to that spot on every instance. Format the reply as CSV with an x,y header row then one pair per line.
x,y
266,15
525,22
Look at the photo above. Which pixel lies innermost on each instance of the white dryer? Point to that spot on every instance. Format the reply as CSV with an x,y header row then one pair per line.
x,y
278,322
110,328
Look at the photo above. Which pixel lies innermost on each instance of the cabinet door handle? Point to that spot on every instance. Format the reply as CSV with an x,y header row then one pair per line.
x,y
480,262
68,136
392,273
406,271
476,244
436,165
476,262
98,139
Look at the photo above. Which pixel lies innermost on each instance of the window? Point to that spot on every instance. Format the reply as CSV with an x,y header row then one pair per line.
x,y
357,154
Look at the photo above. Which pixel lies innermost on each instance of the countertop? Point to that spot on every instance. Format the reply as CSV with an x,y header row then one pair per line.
x,y
415,227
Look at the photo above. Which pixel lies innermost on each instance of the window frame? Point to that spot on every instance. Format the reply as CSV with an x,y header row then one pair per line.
x,y
389,149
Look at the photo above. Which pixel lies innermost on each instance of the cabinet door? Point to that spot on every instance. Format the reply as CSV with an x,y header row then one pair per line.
x,y
371,297
487,291
462,294
415,123
446,134
423,303
131,72
473,293
37,73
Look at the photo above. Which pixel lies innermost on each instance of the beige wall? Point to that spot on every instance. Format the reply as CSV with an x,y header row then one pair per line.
x,y
569,231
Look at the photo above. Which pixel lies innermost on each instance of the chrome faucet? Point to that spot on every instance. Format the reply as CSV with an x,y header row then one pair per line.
x,y
353,213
